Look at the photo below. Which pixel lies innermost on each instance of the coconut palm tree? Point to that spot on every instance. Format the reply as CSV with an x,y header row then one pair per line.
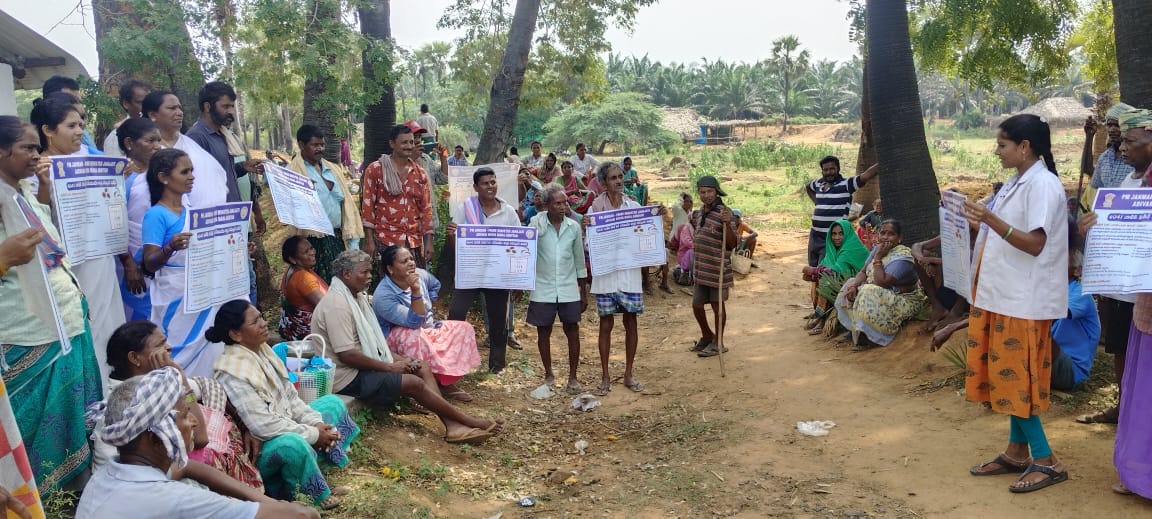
x,y
380,114
1134,50
790,63
907,180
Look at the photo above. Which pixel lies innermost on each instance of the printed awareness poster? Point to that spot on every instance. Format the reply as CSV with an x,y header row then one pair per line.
x,y
296,201
1118,251
460,185
955,244
217,259
496,256
625,239
49,255
91,205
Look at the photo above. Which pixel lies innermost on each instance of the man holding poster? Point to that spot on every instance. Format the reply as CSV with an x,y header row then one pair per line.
x,y
618,291
331,182
483,209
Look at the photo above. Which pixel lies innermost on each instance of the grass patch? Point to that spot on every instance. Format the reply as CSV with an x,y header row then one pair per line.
x,y
381,499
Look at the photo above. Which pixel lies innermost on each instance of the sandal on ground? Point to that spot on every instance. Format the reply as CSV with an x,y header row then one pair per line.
x,y
710,351
667,288
514,343
330,503
1119,488
1007,466
456,394
1105,417
473,436
1052,478
816,330
573,389
701,344
602,389
636,386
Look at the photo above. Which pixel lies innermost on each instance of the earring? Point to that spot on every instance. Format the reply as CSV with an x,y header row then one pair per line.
x,y
129,150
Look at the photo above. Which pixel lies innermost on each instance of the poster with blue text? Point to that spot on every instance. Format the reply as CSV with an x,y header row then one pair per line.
x,y
217,260
91,205
495,256
625,239
1118,252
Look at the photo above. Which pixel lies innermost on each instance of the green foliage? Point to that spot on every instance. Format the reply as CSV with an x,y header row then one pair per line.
x,y
761,155
826,90
627,119
968,120
984,41
451,136
564,65
1096,41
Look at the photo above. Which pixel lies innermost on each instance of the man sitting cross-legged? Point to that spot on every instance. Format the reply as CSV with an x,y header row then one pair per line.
x,y
366,369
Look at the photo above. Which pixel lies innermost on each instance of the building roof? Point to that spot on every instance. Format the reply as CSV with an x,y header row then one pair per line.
x,y
33,57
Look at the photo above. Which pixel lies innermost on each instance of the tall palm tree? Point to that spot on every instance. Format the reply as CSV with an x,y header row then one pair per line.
x,y
1131,19
907,180
791,63
379,114
319,79
826,92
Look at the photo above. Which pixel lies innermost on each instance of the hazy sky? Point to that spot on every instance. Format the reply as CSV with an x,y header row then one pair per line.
x,y
671,30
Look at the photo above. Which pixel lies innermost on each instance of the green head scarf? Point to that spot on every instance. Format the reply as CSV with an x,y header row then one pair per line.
x,y
1138,118
850,257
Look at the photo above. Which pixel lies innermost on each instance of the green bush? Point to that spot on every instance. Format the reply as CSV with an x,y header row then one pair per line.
x,y
968,120
452,136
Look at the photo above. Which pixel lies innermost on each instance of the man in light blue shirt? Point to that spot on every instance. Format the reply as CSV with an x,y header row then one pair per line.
x,y
561,282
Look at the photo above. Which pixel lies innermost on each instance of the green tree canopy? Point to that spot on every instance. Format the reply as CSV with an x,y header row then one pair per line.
x,y
1021,42
627,119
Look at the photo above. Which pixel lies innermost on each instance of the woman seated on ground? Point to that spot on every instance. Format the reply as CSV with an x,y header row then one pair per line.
x,y
844,256
403,306
632,185
294,433
300,288
550,171
882,296
140,347
579,197
947,306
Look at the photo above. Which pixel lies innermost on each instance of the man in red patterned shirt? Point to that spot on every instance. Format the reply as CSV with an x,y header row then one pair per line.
x,y
397,205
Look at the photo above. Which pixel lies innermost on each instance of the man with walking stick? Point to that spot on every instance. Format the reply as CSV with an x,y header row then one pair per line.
x,y
715,238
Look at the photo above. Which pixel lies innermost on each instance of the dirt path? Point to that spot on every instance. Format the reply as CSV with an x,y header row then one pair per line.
x,y
697,444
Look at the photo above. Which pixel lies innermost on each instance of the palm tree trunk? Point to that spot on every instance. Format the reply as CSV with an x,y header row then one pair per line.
x,y
907,180
318,80
504,100
380,115
1132,18
866,157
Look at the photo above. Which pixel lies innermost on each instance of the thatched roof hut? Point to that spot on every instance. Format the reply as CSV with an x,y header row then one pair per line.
x,y
1061,112
684,121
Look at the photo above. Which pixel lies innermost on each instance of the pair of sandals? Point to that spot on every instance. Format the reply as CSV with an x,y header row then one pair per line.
x,y
1024,468
706,348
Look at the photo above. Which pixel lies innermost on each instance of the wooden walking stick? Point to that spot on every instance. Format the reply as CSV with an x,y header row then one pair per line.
x,y
720,293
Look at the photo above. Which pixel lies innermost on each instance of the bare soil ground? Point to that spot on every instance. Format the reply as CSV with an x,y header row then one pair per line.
x,y
698,444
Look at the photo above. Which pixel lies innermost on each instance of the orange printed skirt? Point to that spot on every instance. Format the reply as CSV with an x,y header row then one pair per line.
x,y
1009,363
